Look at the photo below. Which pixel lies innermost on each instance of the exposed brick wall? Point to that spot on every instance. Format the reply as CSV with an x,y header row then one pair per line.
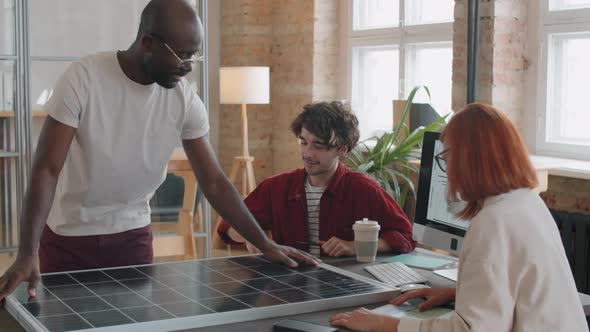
x,y
485,58
568,194
299,40
326,50
501,55
246,40
502,67
292,75
459,75
510,27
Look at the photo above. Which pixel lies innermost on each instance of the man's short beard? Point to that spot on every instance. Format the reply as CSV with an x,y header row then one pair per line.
x,y
157,77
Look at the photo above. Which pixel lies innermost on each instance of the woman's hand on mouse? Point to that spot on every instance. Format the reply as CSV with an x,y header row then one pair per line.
x,y
434,297
364,320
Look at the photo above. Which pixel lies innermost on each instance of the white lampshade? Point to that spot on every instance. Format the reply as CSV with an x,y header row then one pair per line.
x,y
244,85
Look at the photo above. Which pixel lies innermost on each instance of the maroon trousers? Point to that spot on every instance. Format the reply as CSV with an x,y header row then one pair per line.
x,y
69,253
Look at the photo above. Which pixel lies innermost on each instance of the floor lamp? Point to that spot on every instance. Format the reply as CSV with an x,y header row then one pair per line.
x,y
244,85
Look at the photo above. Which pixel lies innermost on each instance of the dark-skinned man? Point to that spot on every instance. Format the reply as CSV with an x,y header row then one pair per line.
x,y
113,122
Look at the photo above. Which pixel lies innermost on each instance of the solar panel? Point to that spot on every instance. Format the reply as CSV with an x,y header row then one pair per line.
x,y
183,295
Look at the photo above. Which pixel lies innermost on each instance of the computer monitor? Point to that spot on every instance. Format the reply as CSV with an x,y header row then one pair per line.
x,y
435,224
422,115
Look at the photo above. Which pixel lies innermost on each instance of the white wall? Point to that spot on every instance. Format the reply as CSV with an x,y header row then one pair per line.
x,y
214,35
70,29
65,30
532,108
7,48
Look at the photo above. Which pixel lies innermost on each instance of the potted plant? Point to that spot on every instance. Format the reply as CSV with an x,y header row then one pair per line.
x,y
388,161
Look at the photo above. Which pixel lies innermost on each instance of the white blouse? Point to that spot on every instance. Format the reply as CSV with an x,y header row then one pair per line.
x,y
513,273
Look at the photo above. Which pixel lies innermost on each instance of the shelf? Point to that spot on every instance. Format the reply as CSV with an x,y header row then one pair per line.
x,y
10,114
7,250
8,154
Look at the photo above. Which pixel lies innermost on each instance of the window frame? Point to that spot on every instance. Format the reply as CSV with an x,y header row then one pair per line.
x,y
569,21
399,36
564,16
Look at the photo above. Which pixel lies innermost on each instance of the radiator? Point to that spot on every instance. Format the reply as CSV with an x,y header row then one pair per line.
x,y
575,235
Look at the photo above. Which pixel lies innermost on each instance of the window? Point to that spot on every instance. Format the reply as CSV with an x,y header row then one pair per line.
x,y
555,5
430,64
372,14
375,84
429,11
565,69
391,53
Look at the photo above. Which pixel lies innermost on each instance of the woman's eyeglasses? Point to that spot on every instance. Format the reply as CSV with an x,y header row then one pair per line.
x,y
441,161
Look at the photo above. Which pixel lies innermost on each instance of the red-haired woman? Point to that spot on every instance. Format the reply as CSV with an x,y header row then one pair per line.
x,y
513,272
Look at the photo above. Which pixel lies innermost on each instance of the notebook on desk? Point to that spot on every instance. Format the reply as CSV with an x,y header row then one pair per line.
x,y
410,310
421,262
450,274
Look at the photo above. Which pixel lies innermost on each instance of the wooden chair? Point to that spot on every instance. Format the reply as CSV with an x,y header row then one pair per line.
x,y
177,240
243,163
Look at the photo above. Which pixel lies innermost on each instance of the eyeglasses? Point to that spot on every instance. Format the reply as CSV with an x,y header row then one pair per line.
x,y
441,161
197,57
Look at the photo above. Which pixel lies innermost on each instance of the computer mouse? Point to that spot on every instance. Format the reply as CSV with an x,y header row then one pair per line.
x,y
410,287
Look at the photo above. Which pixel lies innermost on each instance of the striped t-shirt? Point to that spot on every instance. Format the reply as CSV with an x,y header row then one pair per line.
x,y
313,196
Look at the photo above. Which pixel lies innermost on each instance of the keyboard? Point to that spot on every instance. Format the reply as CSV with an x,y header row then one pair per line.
x,y
395,274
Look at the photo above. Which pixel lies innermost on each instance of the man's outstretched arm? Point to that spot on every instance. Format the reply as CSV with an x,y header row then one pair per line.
x,y
228,203
52,149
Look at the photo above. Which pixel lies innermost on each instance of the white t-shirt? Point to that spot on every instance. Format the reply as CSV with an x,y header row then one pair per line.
x,y
126,133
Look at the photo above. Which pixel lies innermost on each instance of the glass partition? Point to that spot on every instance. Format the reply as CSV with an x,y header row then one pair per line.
x,y
9,154
59,32
7,27
81,27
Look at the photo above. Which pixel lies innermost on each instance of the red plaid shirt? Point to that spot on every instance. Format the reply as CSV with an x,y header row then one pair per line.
x,y
279,206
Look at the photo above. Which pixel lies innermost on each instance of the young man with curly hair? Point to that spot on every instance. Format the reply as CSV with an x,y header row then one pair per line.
x,y
320,202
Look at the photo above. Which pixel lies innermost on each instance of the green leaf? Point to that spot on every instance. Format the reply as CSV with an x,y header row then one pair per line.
x,y
402,199
407,108
363,168
387,142
393,191
405,133
389,161
409,167
379,144
407,181
395,185
437,125
358,155
350,162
